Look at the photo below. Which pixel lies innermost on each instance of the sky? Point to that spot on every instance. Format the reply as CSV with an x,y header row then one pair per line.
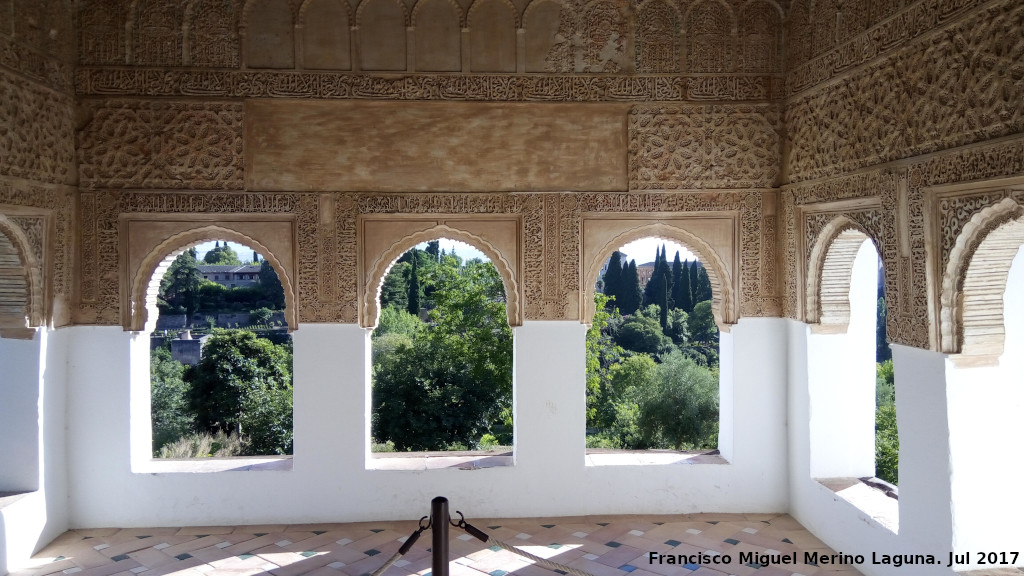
x,y
462,250
243,251
644,250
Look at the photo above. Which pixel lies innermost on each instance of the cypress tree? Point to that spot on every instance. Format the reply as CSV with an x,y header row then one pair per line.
x,y
414,287
650,289
702,288
693,283
631,294
613,285
663,300
683,297
677,279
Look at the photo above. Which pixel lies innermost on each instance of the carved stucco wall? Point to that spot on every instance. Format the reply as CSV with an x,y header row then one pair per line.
x,y
879,103
37,158
926,96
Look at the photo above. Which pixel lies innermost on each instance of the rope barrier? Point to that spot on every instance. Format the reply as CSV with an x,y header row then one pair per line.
x,y
439,527
483,537
541,561
406,546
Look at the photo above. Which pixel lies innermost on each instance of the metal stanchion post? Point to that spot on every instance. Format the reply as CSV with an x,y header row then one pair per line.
x,y
439,533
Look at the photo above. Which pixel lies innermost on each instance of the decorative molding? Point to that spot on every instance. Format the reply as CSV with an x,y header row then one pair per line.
x,y
95,81
23,270
709,146
161,144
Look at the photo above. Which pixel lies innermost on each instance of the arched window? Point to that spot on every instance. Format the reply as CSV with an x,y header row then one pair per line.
x,y
653,358
442,360
852,394
221,359
985,393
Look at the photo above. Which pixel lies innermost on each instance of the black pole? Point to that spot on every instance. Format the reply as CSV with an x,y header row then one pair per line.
x,y
439,532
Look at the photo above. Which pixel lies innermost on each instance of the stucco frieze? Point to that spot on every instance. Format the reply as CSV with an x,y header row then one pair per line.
x,y
148,82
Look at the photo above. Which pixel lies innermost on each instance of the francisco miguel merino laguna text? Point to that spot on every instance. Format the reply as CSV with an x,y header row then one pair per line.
x,y
812,558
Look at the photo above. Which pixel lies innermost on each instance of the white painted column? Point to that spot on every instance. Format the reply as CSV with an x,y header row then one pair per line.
x,y
331,397
20,390
986,435
550,396
32,410
841,382
755,353
921,413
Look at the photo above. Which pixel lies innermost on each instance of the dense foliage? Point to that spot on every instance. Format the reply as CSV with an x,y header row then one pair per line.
x,y
444,383
887,441
242,386
652,370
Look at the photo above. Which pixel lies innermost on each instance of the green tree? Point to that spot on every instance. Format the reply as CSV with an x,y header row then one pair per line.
x,y
887,440
413,292
701,288
454,383
613,279
702,323
171,414
395,289
243,384
179,288
681,410
602,353
261,316
222,255
677,328
271,286
643,335
399,321
631,295
882,350
681,290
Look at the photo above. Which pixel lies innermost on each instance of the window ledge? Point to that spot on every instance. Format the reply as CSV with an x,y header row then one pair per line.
x,y
8,498
872,496
606,457
440,460
207,465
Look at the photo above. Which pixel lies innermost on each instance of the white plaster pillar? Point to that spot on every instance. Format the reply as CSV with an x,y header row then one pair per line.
x,y
921,416
549,398
20,391
986,434
331,400
753,405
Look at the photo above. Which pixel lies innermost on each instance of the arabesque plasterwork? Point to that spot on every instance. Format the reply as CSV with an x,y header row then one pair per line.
x,y
883,103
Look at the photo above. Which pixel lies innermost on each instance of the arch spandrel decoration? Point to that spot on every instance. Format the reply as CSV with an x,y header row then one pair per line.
x,y
973,281
23,298
139,313
721,267
829,271
402,235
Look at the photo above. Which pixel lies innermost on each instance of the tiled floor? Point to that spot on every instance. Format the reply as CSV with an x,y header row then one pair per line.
x,y
602,546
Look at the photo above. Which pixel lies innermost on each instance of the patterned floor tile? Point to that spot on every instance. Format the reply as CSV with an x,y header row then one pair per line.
x,y
602,546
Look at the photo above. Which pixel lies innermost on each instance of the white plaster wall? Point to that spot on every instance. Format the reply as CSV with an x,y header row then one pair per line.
x,y
329,480
925,520
841,372
34,374
986,436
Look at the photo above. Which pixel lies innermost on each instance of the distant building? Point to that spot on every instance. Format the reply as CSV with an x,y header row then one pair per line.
x,y
231,276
